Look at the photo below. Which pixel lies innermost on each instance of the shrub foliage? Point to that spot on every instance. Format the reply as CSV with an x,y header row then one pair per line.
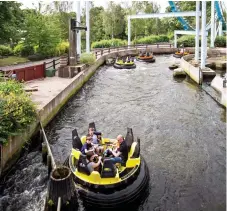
x,y
17,111
220,41
87,58
109,43
5,50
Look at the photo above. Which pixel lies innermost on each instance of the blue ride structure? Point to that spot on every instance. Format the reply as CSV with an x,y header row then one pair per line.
x,y
219,16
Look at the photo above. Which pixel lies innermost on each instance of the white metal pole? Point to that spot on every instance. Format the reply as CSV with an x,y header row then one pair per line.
x,y
78,33
212,25
220,29
206,48
175,40
129,31
203,32
88,26
197,32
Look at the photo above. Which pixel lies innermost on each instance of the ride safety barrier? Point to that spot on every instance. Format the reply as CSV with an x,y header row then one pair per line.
x,y
101,51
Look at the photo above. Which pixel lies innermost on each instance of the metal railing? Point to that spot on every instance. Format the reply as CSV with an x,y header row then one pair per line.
x,y
101,51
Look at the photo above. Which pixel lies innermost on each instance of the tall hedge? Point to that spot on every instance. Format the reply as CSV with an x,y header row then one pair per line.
x,y
5,50
152,39
17,111
109,43
186,40
220,41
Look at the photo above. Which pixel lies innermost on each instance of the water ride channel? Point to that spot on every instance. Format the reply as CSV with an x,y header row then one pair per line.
x,y
182,139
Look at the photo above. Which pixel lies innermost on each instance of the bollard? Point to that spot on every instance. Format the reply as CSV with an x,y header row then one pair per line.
x,y
61,190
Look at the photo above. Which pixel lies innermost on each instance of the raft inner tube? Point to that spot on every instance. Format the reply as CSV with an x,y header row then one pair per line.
x,y
146,59
180,54
112,185
124,65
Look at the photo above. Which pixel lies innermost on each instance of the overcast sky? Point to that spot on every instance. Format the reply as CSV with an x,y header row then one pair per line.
x,y
29,4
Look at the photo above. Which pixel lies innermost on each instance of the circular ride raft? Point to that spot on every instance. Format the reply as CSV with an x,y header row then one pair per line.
x,y
180,54
148,59
174,66
124,65
113,185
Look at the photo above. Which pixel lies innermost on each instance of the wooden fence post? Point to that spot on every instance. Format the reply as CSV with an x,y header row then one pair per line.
x,y
54,63
44,63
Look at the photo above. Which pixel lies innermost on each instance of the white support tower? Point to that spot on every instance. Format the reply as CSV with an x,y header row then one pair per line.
x,y
88,26
220,31
129,30
197,32
212,35
158,15
78,36
204,42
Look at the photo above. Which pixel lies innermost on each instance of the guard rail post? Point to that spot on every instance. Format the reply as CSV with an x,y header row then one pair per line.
x,y
54,63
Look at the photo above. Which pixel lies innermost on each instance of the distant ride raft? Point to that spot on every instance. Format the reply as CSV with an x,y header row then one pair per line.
x,y
144,58
120,64
174,66
180,54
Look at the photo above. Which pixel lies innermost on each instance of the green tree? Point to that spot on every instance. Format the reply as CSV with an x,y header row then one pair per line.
x,y
114,21
42,31
10,21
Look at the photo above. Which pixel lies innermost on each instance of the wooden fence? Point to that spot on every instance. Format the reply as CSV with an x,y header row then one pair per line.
x,y
101,51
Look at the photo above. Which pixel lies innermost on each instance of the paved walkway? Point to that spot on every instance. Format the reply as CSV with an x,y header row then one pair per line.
x,y
48,88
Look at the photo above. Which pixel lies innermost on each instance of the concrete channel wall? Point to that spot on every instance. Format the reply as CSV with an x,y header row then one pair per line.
x,y
196,75
193,72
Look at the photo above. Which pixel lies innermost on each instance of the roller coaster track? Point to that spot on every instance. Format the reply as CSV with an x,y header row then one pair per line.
x,y
218,17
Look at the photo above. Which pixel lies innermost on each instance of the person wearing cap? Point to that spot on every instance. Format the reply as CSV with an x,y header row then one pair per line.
x,y
87,147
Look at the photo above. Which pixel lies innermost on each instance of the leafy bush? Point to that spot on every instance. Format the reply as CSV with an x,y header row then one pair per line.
x,y
109,43
220,41
152,39
23,50
186,40
62,48
87,58
17,111
36,57
11,86
5,50
170,35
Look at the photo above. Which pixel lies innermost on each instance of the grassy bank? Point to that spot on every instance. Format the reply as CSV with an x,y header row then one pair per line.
x,y
12,60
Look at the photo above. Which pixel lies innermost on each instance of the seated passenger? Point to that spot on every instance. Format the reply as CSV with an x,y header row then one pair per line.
x,y
98,149
121,154
147,54
93,135
94,162
87,147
